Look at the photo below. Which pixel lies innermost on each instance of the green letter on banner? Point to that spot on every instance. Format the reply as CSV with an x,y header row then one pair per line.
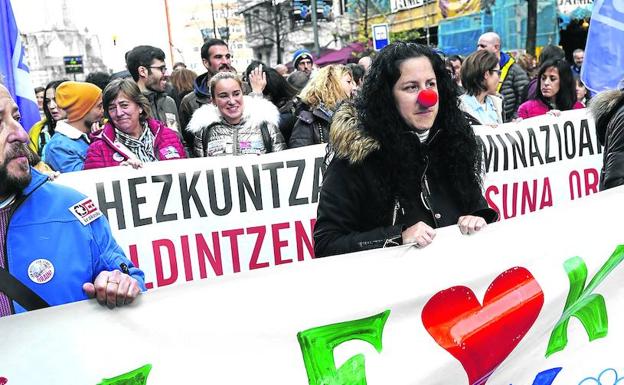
x,y
318,344
135,377
589,308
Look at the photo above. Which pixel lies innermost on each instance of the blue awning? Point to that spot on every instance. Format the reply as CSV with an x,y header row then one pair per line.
x,y
582,12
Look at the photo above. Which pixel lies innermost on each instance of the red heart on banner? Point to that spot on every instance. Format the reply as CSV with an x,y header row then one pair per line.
x,y
3,380
481,337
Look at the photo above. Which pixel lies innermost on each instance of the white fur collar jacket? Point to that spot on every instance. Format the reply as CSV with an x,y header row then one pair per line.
x,y
213,136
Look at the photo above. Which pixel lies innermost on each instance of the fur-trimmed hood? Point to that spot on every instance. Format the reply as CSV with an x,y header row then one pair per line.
x,y
603,104
255,111
347,138
602,107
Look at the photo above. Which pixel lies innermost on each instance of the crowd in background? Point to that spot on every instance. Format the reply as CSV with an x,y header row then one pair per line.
x,y
287,106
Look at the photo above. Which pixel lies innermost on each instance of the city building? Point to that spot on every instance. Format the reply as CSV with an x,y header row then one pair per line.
x,y
192,22
45,48
276,29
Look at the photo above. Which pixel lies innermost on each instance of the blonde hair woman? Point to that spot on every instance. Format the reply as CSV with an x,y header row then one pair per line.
x,y
320,97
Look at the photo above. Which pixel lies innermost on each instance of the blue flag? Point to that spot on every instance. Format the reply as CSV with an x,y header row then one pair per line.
x,y
13,69
603,67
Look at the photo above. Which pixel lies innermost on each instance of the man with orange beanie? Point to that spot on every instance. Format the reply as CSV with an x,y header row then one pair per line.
x,y
82,102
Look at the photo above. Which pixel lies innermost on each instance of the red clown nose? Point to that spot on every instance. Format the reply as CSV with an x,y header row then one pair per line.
x,y
427,98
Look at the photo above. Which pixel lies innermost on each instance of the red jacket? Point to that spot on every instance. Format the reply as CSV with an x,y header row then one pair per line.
x,y
103,152
536,107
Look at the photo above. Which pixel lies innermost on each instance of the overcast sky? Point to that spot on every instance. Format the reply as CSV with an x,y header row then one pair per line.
x,y
134,22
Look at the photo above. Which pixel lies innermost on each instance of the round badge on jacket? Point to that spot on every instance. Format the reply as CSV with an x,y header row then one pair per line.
x,y
117,157
40,271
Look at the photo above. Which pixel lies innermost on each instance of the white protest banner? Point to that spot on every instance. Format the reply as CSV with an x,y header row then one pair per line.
x,y
198,218
494,307
540,162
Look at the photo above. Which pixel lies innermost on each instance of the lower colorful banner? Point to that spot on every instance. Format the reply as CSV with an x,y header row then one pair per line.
x,y
534,300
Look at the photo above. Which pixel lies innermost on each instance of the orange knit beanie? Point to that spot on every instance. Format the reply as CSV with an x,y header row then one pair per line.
x,y
77,98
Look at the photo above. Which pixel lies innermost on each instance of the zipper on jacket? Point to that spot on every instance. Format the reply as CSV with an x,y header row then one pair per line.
x,y
425,192
235,144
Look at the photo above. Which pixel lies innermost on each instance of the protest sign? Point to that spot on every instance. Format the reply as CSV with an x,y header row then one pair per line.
x,y
532,300
540,162
197,218
192,219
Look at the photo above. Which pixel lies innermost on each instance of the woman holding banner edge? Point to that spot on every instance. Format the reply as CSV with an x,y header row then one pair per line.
x,y
400,168
556,91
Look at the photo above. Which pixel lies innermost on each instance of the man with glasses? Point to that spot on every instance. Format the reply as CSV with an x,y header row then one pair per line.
x,y
147,66
513,79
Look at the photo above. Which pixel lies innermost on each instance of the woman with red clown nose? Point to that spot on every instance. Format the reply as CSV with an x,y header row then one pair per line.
x,y
405,160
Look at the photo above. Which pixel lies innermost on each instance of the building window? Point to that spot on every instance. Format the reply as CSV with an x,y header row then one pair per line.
x,y
256,18
248,22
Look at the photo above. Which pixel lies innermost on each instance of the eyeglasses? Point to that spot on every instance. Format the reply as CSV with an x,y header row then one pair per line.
x,y
496,71
162,69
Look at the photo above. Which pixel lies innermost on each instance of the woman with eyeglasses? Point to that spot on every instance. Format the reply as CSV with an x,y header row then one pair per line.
x,y
405,160
480,76
556,91
42,131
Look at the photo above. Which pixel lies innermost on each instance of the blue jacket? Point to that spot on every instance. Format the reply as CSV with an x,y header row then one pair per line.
x,y
43,231
63,153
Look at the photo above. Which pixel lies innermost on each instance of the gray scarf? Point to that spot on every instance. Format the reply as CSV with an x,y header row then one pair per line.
x,y
143,147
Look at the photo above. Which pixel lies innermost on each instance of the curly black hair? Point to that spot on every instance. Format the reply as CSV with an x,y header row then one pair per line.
x,y
452,152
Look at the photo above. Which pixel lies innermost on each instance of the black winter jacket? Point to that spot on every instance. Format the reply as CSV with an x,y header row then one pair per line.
x,y
353,215
164,109
513,91
311,127
192,101
608,110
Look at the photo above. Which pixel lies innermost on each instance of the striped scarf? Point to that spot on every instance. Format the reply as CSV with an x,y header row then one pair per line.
x,y
143,147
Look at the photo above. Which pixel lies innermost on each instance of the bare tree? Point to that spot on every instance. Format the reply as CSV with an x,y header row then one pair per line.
x,y
268,20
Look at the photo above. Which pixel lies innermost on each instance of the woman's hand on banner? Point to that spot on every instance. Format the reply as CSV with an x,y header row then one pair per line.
x,y
470,224
134,163
421,234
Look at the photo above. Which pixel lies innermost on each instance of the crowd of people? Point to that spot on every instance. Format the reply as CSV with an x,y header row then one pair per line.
x,y
492,87
403,159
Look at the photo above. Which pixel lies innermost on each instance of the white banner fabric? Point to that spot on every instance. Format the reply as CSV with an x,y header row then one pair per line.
x,y
492,300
